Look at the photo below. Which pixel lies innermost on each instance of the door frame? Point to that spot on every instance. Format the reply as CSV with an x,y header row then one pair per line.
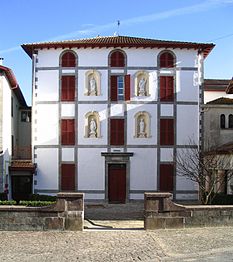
x,y
117,158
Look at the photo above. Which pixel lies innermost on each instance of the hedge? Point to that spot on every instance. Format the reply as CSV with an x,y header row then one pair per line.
x,y
27,203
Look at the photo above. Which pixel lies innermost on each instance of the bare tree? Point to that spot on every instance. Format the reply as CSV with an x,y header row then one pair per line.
x,y
202,168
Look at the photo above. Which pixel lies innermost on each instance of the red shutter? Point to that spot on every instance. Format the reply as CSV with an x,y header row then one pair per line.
x,y
166,88
68,88
166,177
127,87
113,95
68,177
166,132
117,59
68,60
162,88
166,60
117,132
67,132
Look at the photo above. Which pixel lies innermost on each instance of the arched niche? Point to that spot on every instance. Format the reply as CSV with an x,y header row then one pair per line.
x,y
92,125
141,83
92,83
142,125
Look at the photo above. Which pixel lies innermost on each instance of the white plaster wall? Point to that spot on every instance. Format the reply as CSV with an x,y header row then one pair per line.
x,y
167,110
185,87
185,57
166,154
82,86
183,183
91,169
134,57
89,196
48,57
47,168
143,169
187,124
187,196
68,110
132,110
67,154
117,110
83,109
48,85
212,95
93,57
47,125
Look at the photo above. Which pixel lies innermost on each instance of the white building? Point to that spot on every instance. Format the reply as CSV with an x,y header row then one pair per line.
x,y
110,114
15,136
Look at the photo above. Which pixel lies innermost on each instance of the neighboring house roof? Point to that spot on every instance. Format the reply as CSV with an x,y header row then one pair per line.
x,y
216,85
225,148
14,85
119,41
221,101
229,89
22,165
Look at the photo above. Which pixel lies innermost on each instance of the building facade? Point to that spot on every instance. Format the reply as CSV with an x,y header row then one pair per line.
x,y
109,115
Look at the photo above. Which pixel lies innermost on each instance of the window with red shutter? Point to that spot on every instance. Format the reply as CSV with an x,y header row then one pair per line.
x,y
166,177
68,88
117,132
117,59
166,60
67,132
166,132
68,177
113,91
120,88
166,88
127,87
68,60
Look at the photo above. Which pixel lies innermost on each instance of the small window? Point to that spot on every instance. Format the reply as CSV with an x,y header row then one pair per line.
x,y
230,121
117,59
166,132
26,116
68,88
117,132
68,60
67,132
166,88
68,177
222,121
166,60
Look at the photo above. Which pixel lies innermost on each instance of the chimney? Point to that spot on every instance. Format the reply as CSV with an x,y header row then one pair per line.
x,y
1,60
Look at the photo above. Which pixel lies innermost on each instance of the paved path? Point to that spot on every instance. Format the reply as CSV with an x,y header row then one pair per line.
x,y
200,244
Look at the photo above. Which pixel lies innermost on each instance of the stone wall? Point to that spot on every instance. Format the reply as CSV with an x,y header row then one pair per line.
x,y
66,214
161,212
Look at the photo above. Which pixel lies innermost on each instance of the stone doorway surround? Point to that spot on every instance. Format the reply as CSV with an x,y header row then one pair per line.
x,y
117,158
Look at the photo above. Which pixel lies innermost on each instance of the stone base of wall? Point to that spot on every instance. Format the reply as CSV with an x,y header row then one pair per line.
x,y
66,214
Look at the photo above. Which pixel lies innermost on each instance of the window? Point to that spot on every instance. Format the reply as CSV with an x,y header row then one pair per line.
x,y
117,59
117,132
68,60
222,121
68,177
166,60
166,88
166,132
68,88
120,88
67,132
25,116
230,121
166,177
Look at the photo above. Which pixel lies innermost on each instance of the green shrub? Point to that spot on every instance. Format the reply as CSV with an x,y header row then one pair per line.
x,y
38,197
36,203
7,202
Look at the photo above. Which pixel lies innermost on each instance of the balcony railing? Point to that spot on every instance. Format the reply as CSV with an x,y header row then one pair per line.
x,y
22,152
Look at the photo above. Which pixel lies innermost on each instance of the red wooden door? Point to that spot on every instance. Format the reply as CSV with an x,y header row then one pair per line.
x,y
117,183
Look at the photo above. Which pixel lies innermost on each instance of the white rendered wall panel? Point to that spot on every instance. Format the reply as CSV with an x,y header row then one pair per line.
x,y
67,154
48,85
143,169
116,110
47,168
166,154
91,169
167,110
48,57
47,125
68,110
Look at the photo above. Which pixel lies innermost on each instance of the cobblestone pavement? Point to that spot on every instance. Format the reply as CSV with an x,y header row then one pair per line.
x,y
192,244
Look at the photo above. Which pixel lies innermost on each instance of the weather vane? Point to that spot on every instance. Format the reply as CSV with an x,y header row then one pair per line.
x,y
118,27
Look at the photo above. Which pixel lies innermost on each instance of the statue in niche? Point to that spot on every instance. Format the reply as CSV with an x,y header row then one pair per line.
x,y
92,86
141,133
92,128
142,87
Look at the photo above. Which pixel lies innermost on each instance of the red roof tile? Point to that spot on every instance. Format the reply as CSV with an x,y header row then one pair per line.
x,y
22,165
216,84
118,41
221,101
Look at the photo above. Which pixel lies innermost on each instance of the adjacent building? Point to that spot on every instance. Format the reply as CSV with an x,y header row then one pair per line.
x,y
110,114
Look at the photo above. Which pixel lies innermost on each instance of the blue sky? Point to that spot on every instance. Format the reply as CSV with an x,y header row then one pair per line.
x,y
27,21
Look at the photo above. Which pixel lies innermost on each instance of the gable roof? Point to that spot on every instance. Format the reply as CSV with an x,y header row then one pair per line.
x,y
118,41
216,85
221,101
229,89
14,85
